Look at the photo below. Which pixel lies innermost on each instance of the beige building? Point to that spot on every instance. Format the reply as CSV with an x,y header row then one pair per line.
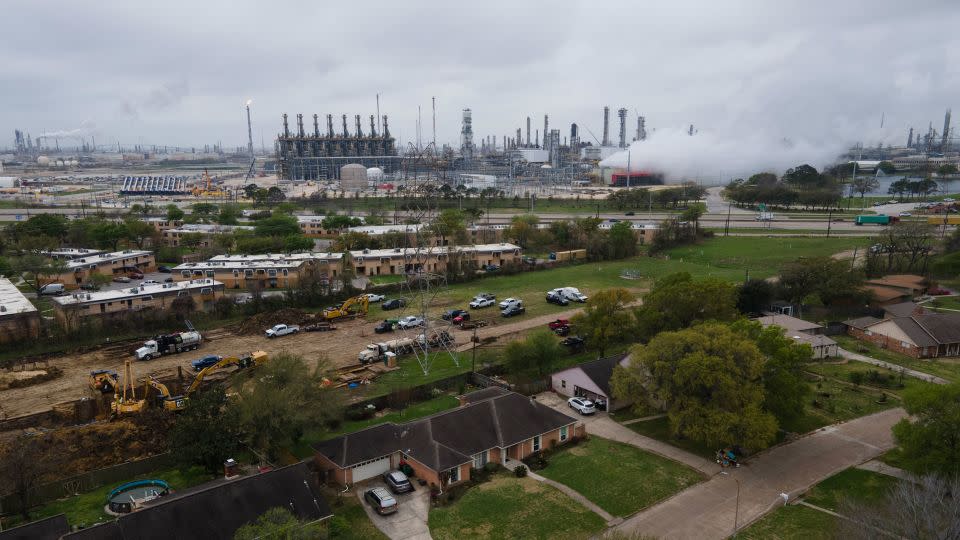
x,y
19,318
72,309
69,254
208,233
79,270
161,224
268,271
374,262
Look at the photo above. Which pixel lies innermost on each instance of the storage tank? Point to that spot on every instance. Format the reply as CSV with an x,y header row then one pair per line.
x,y
43,161
375,174
353,177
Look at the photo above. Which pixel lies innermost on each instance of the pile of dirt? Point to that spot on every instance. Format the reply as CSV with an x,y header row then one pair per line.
x,y
260,322
20,379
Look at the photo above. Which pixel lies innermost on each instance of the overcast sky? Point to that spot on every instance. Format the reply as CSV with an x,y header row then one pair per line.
x,y
178,72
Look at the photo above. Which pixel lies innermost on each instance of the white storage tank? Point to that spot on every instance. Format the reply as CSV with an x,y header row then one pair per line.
x,y
375,174
43,161
353,177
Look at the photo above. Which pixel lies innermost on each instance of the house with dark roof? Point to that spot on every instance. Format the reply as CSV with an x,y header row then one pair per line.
x,y
920,335
217,509
590,380
51,528
895,289
490,426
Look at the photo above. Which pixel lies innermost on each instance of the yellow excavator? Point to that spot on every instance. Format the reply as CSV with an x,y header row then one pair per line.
x,y
207,189
360,302
127,402
253,359
169,403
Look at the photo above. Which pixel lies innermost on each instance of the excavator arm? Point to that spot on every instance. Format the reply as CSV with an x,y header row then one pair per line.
x,y
253,359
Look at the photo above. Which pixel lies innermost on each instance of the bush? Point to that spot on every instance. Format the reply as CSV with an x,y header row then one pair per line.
x,y
520,471
359,413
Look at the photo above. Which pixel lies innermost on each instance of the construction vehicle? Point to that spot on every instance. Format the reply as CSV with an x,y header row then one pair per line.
x,y
375,352
168,402
126,402
361,303
253,359
104,381
170,344
207,189
879,219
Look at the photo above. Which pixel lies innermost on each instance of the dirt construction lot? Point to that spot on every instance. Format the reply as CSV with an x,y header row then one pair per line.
x,y
340,347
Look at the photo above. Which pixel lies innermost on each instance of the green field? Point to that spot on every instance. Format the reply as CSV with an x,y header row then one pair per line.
x,y
947,303
947,368
508,507
606,473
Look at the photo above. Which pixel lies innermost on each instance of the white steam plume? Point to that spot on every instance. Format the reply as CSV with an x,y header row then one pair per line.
x,y
86,129
711,158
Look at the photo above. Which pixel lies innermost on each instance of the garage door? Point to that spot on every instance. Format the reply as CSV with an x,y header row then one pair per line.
x,y
371,469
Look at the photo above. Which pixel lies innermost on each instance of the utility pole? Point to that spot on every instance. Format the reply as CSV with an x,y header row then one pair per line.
x,y
829,222
474,340
726,227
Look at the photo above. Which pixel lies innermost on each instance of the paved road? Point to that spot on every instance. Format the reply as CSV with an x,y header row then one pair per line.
x,y
706,511
880,363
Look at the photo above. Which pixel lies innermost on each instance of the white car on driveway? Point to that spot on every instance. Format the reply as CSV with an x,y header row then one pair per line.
x,y
282,330
410,321
375,297
510,302
581,405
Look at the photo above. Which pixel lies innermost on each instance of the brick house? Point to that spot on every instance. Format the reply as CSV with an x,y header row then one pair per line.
x,y
922,335
491,426
591,380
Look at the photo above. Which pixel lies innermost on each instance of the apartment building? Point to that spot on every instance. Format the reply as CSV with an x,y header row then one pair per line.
x,y
68,254
268,270
71,310
161,223
374,262
19,318
173,237
80,269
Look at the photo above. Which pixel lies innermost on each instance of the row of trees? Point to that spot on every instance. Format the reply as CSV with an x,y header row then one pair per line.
x,y
640,198
802,185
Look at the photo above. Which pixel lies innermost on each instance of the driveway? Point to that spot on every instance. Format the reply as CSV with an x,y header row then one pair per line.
x,y
707,510
410,521
601,425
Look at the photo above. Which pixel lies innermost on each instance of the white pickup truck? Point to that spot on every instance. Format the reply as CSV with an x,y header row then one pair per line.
x,y
282,330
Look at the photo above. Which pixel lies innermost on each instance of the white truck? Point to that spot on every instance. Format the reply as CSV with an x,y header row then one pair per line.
x,y
380,351
570,293
282,330
169,344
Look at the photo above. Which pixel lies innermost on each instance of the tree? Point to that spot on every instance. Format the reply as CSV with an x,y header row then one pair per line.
x,y
863,184
37,270
947,169
280,524
191,240
605,319
920,508
887,167
621,242
535,354
709,381
297,242
450,223
25,462
282,401
823,278
277,225
523,228
49,225
108,234
930,437
174,213
338,222
275,195
693,214
139,231
207,432
753,296
183,306
203,208
677,301
6,268
229,214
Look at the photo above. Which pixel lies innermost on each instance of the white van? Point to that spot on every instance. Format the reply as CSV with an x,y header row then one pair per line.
x,y
571,293
52,289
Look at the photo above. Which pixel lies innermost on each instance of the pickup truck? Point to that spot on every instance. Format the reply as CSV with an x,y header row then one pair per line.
x,y
282,330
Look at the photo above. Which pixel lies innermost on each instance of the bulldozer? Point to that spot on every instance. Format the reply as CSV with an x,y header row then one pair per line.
x,y
346,309
126,402
253,359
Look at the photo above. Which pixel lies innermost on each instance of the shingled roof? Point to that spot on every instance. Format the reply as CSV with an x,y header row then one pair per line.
x,y
51,528
447,439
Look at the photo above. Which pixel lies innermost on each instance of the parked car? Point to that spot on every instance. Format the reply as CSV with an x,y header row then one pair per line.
x,y
371,297
509,302
562,331
151,282
905,214
380,499
54,289
581,405
384,327
241,299
135,275
397,481
452,314
121,279
558,299
630,213
205,362
410,321
573,343
396,303
478,303
168,280
513,309
164,269
558,323
282,330
460,319
949,199
612,220
491,268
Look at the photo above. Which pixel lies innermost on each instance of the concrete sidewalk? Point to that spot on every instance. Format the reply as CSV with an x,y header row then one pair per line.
x,y
575,495
706,510
880,363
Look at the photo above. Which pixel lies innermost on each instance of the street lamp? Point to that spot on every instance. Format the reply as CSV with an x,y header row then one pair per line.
x,y
736,513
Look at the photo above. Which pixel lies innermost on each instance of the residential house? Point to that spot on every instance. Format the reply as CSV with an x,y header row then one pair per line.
x,y
81,269
591,380
266,271
925,335
72,309
895,288
215,510
493,426
19,318
374,262
903,309
802,331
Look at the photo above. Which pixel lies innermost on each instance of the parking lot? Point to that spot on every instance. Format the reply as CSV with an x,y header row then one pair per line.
x,y
410,519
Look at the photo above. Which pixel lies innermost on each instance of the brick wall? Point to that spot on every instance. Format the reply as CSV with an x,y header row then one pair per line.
x,y
887,343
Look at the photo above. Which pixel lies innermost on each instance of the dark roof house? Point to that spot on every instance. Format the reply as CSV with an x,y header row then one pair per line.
x,y
590,380
921,335
51,528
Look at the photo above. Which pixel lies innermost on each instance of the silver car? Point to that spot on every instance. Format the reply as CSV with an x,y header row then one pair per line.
x,y
582,405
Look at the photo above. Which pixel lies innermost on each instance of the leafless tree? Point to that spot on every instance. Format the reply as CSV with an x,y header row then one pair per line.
x,y
25,462
923,510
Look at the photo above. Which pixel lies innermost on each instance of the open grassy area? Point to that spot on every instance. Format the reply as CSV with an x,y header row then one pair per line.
x,y
948,368
607,473
350,521
659,428
86,509
946,303
508,507
800,522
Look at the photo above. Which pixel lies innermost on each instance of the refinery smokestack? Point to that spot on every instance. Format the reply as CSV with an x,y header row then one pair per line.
x,y
622,113
641,129
528,131
946,131
546,131
606,127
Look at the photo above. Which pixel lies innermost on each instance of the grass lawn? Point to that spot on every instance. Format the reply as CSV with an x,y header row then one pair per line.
x,y
606,472
385,280
947,303
87,508
844,371
948,368
659,428
508,507
800,522
350,521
